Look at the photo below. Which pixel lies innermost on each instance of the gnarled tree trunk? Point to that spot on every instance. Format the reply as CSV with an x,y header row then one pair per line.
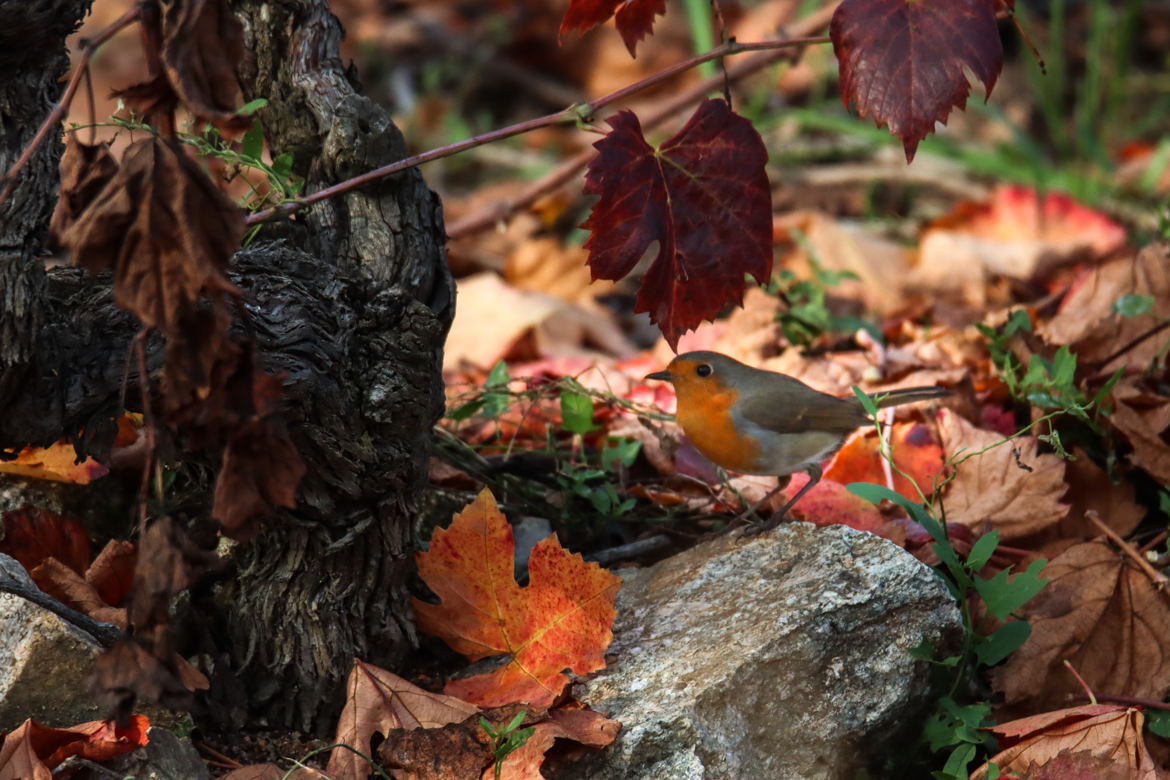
x,y
352,299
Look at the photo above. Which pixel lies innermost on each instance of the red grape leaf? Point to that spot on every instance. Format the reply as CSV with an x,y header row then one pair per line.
x,y
903,60
32,534
635,18
703,195
560,620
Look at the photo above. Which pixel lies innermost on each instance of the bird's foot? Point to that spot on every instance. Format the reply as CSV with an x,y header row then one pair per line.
x,y
755,529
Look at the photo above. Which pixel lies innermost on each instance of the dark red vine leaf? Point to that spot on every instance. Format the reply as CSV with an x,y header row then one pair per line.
x,y
902,61
703,195
85,172
634,18
32,534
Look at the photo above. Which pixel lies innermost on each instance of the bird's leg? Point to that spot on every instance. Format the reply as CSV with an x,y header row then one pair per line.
x,y
814,476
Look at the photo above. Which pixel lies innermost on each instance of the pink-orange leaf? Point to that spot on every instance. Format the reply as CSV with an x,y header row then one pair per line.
x,y
903,61
702,195
634,18
561,620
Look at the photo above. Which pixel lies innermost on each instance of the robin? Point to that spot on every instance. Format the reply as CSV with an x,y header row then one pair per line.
x,y
760,422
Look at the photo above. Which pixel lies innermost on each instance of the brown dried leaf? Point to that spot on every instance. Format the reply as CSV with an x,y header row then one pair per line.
x,y
457,750
67,586
203,44
168,562
1010,486
85,171
128,671
192,53
379,701
261,468
584,726
1144,418
1086,320
1102,742
166,230
112,572
1090,489
1105,617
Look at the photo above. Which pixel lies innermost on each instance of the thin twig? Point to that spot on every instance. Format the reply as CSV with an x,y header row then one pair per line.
x,y
1135,701
563,173
1159,579
53,120
632,550
105,634
1157,540
572,114
1081,680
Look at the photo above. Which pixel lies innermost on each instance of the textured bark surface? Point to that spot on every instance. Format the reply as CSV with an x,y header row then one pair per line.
x,y
353,300
32,60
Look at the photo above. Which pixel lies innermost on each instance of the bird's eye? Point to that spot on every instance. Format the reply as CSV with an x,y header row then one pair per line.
x,y
703,370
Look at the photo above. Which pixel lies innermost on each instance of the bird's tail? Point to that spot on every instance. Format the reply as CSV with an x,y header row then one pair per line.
x,y
909,395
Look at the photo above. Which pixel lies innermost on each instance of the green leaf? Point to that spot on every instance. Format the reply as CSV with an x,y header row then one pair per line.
x,y
461,413
576,412
982,550
252,106
871,409
1006,639
1133,305
923,651
1002,597
282,166
957,763
516,721
253,144
1158,721
619,450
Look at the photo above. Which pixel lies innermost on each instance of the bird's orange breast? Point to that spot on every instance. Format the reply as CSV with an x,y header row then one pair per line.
x,y
705,416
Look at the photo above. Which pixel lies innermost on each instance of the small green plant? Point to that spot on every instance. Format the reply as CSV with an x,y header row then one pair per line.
x,y
506,739
492,401
1049,385
807,315
953,725
245,154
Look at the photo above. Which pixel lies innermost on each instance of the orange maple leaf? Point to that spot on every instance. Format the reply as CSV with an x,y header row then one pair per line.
x,y
561,620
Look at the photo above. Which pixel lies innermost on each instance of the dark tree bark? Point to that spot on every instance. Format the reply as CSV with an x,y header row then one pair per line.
x,y
353,301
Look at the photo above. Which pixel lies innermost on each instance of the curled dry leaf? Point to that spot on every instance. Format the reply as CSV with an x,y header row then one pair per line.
x,y
1105,617
1010,486
67,586
1144,417
128,672
193,50
904,62
583,726
561,620
1087,322
33,751
378,701
1098,742
85,171
164,227
703,195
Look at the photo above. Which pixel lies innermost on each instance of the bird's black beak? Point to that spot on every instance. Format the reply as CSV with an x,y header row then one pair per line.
x,y
664,375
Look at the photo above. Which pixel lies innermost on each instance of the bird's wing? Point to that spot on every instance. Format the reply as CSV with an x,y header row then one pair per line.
x,y
801,409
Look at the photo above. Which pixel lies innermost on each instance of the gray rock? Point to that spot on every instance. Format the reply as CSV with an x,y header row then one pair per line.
x,y
165,757
781,656
45,663
530,531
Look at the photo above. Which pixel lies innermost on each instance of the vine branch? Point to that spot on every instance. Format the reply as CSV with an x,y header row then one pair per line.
x,y
573,114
